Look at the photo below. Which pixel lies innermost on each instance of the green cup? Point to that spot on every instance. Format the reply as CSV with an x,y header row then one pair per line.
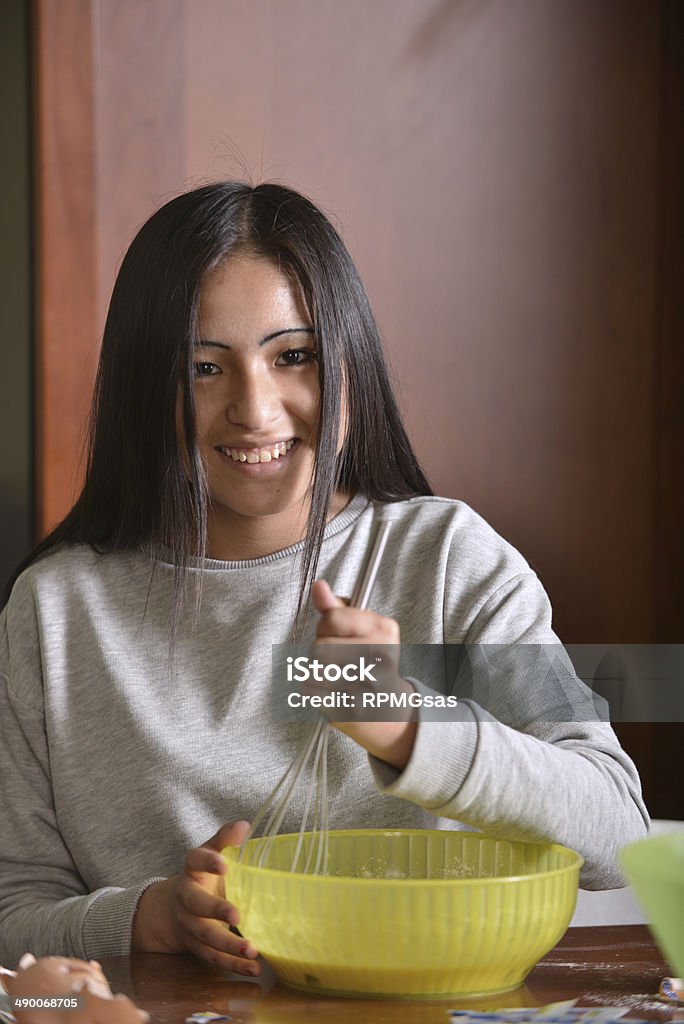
x,y
655,869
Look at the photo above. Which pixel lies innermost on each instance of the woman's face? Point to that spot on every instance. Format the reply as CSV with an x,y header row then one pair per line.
x,y
257,400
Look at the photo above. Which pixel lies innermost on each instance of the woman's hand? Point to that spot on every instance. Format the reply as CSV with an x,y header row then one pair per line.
x,y
339,624
187,912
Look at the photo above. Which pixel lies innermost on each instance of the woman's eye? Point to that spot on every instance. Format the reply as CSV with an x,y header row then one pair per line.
x,y
295,357
203,369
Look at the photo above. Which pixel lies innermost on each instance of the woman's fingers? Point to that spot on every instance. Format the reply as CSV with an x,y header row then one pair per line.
x,y
207,859
205,920
214,934
203,861
194,899
339,623
323,597
362,626
226,960
345,622
229,835
203,915
359,651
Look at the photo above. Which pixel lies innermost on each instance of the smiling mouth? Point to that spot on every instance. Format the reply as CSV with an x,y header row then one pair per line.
x,y
269,453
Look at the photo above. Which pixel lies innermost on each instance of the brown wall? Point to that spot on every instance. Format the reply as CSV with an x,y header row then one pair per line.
x,y
505,175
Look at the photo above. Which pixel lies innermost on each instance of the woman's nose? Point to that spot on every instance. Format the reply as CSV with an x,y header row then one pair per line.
x,y
253,401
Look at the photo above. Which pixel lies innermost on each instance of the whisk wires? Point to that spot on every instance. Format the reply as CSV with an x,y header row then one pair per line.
x,y
312,842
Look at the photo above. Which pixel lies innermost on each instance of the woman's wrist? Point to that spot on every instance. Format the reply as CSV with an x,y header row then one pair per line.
x,y
155,928
394,743
391,742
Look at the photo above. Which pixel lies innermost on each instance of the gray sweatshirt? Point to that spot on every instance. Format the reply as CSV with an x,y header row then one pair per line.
x,y
114,762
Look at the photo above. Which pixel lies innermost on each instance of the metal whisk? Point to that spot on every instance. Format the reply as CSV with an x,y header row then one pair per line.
x,y
314,751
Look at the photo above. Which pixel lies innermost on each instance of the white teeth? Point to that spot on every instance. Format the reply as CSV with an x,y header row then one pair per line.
x,y
260,454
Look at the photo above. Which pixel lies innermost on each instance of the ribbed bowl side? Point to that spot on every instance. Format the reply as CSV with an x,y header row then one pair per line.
x,y
423,913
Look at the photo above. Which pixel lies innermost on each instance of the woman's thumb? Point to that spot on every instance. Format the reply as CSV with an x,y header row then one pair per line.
x,y
323,597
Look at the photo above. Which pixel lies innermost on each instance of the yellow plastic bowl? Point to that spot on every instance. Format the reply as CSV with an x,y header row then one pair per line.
x,y
426,914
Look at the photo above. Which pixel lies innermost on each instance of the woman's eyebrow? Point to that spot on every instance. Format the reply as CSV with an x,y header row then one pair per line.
x,y
287,330
269,337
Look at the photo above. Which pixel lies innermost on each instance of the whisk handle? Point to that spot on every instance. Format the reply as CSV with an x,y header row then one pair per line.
x,y
364,584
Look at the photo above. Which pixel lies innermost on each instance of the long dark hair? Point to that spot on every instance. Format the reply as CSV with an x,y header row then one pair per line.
x,y
140,487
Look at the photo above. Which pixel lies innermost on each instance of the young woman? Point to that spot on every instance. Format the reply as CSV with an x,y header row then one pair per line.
x,y
243,428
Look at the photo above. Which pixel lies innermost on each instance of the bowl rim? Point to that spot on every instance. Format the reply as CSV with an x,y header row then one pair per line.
x,y
231,853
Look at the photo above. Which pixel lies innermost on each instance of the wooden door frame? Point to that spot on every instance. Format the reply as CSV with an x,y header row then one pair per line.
x,y
65,245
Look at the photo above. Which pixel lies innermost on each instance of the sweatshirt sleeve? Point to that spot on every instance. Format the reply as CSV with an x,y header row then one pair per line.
x,y
529,753
45,905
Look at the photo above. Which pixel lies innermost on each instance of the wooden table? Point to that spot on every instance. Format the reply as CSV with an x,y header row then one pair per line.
x,y
598,966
